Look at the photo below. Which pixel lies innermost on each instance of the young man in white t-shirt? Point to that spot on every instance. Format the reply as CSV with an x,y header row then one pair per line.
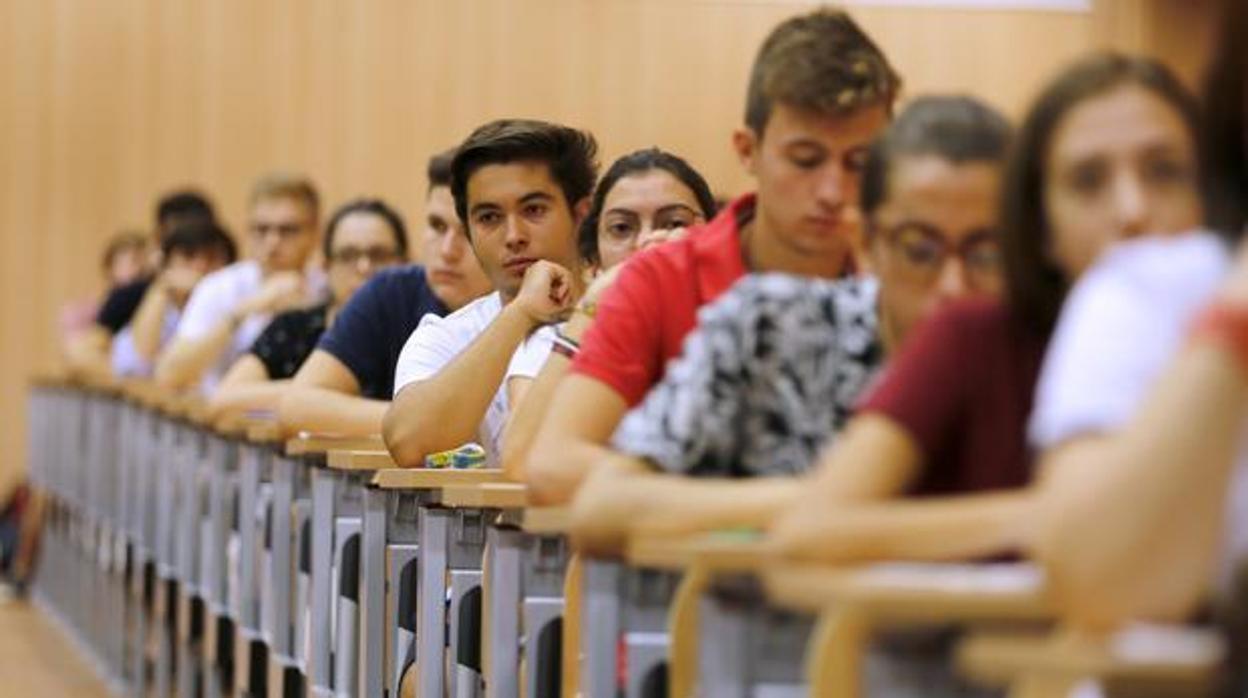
x,y
521,188
230,307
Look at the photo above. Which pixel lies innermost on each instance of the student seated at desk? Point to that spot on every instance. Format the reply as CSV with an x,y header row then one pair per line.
x,y
345,385
362,238
645,198
1143,399
191,251
126,259
775,366
230,307
820,91
1106,153
87,351
521,188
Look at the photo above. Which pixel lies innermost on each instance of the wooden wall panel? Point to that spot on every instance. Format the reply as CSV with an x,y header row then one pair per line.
x,y
104,105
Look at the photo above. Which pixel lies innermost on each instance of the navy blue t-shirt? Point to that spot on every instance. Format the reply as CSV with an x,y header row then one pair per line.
x,y
372,328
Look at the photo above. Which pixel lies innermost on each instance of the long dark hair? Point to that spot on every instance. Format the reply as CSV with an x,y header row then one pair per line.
x,y
1224,142
1035,285
639,162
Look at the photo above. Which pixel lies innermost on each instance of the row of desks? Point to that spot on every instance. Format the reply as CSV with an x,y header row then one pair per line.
x,y
196,558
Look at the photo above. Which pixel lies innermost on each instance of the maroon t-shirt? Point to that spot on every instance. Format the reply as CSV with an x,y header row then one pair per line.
x,y
962,387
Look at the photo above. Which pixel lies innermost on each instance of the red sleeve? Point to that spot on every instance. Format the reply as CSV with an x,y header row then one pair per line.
x,y
623,347
922,387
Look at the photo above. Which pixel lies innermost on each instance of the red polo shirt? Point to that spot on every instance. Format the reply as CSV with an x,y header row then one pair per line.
x,y
643,318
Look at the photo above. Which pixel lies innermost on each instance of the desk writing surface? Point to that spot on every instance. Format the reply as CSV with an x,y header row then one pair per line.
x,y
490,495
347,459
433,478
308,443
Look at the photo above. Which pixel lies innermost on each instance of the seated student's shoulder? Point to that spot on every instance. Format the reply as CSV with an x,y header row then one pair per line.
x,y
243,275
406,281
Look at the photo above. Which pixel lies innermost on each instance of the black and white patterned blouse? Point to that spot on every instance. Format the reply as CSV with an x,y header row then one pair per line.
x,y
772,371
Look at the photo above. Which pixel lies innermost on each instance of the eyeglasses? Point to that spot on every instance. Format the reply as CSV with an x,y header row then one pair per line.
x,y
283,230
351,256
924,252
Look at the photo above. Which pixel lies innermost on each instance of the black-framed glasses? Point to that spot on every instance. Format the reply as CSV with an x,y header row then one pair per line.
x,y
283,230
351,256
923,252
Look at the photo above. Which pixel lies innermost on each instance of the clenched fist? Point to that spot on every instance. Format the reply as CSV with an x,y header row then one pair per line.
x,y
547,293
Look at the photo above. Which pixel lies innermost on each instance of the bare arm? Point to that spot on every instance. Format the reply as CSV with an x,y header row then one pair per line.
x,y
149,321
531,406
937,529
872,459
622,496
87,353
324,397
1129,523
529,413
582,416
246,386
185,360
442,411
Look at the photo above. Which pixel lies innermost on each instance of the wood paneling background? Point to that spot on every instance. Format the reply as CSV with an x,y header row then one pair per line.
x,y
104,104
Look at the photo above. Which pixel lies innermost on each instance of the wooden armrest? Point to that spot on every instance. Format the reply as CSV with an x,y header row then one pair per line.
x,y
48,379
915,591
107,385
339,459
433,478
545,520
491,495
307,443
1147,654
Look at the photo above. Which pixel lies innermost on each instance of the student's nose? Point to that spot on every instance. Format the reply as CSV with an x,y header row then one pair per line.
x,y
516,235
451,246
1130,206
951,283
830,191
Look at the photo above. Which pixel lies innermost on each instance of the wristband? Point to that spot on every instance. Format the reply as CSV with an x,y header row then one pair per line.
x,y
564,345
1227,325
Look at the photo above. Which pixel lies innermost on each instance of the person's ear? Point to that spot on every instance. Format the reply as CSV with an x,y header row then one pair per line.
x,y
580,211
746,143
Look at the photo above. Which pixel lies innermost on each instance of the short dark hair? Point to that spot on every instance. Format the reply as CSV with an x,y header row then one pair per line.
x,y
198,236
1035,285
182,205
820,62
635,163
954,128
438,170
570,154
1224,142
376,207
